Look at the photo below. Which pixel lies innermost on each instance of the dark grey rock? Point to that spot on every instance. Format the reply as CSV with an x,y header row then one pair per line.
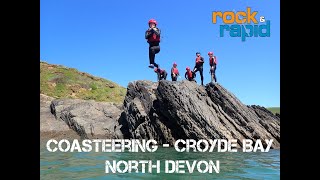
x,y
89,119
164,111
167,111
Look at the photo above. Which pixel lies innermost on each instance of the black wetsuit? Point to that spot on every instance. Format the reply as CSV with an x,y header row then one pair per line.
x,y
199,67
213,66
154,46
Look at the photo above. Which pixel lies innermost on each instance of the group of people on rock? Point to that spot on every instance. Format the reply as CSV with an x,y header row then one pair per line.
x,y
153,38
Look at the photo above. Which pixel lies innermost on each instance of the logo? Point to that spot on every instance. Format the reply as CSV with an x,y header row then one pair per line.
x,y
242,24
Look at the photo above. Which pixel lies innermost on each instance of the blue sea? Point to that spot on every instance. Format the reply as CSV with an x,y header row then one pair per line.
x,y
236,165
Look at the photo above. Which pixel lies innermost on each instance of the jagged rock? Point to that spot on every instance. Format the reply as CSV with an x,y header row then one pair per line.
x,y
89,119
49,126
47,119
167,111
164,111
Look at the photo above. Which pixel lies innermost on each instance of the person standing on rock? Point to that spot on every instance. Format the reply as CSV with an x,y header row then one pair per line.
x,y
213,66
161,73
190,75
199,65
174,72
153,38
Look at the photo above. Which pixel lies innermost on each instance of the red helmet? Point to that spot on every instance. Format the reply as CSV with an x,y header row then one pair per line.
x,y
210,53
175,64
188,69
152,21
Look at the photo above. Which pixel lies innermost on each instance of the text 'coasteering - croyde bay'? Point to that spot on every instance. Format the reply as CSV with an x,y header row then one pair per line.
x,y
149,146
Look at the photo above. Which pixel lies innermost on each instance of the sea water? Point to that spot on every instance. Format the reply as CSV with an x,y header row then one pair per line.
x,y
237,165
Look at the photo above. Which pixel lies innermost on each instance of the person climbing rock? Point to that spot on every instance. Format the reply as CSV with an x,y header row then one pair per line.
x,y
161,73
213,66
153,38
199,65
190,75
174,72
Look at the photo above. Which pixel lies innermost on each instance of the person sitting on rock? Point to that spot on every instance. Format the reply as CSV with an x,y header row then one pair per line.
x,y
190,75
161,73
174,72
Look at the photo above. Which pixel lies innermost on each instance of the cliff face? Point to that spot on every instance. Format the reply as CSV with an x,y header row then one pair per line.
x,y
85,119
167,111
50,127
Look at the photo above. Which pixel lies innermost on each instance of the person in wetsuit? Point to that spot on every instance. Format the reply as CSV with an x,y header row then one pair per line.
x,y
153,38
199,65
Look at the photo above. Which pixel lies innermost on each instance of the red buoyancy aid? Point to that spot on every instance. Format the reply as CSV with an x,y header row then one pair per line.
x,y
175,71
190,75
158,70
154,38
198,60
161,71
213,60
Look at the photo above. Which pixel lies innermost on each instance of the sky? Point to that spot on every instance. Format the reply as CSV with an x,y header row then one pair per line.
x,y
106,39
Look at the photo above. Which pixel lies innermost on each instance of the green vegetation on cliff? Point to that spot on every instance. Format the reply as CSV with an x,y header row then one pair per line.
x,y
274,110
62,82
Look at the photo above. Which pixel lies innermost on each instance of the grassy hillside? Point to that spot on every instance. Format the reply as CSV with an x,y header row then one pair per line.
x,y
62,82
274,110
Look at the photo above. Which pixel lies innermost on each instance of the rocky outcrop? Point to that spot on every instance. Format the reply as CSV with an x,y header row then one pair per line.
x,y
167,111
88,119
164,111
50,127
